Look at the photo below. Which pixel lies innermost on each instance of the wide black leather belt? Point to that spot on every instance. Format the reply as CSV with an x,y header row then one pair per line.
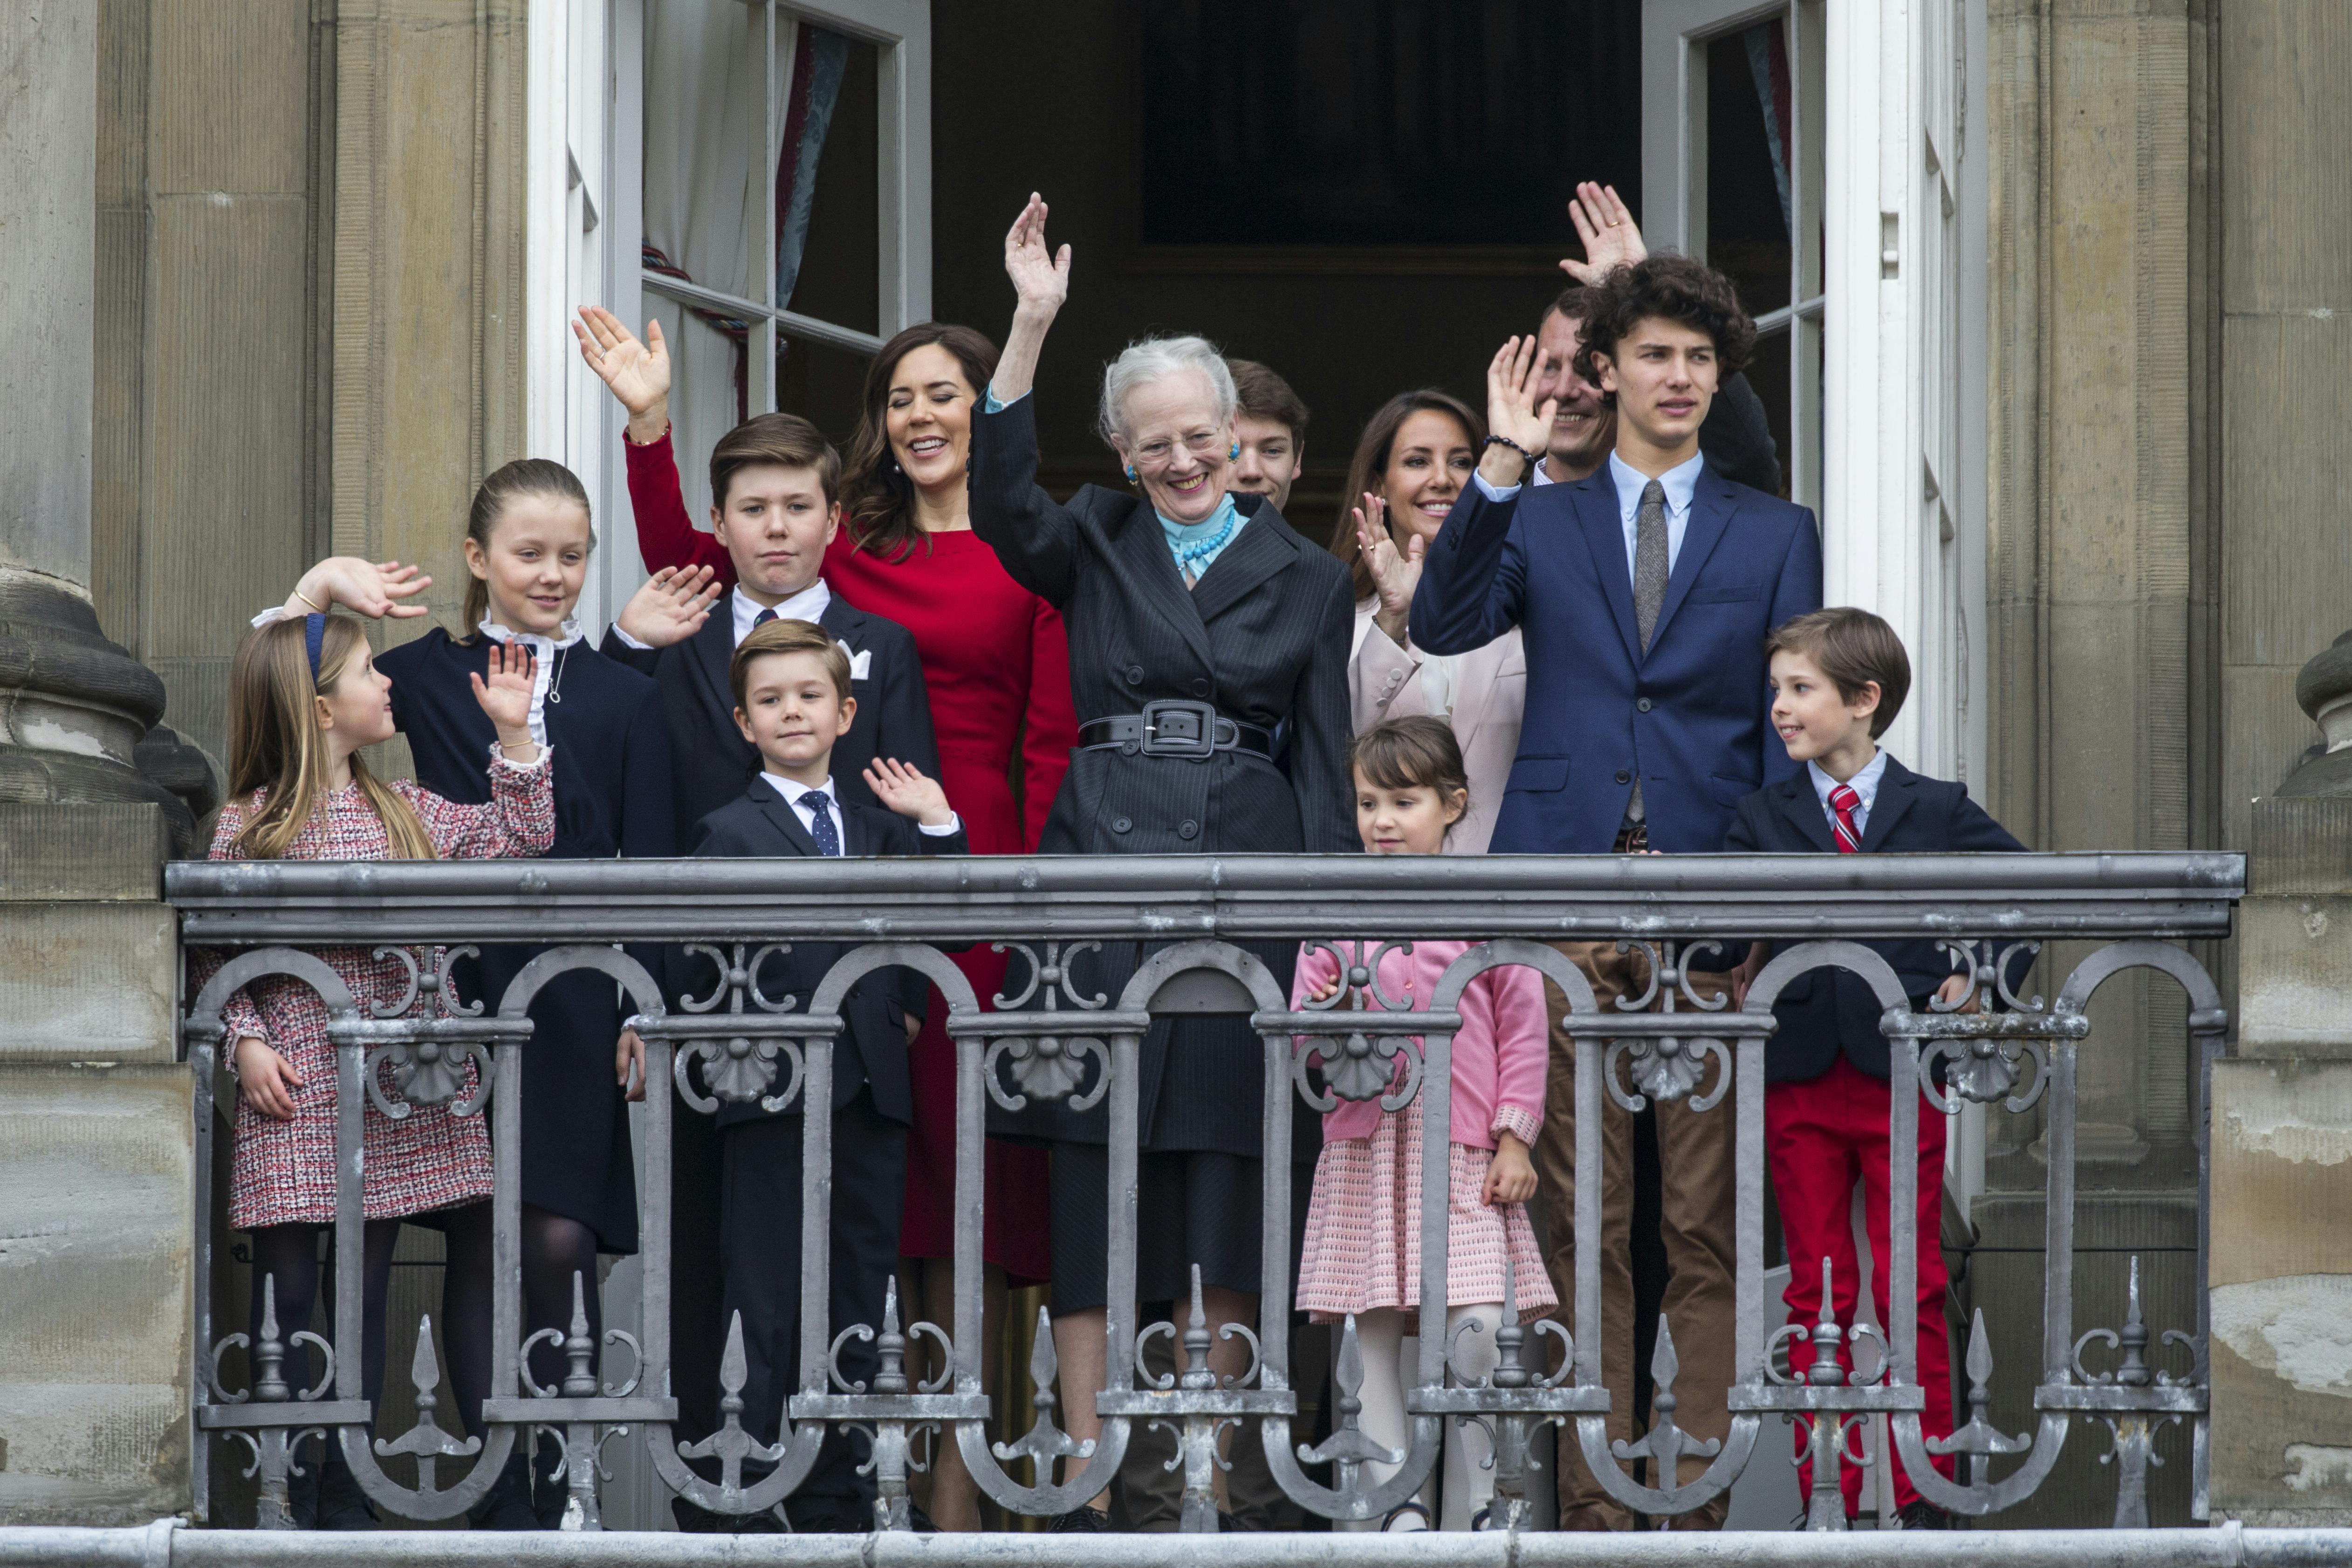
x,y
1175,727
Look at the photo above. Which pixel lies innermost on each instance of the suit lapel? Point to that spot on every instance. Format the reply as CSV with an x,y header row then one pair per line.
x,y
1712,504
712,649
1264,546
1593,500
1896,789
1147,563
785,820
1798,802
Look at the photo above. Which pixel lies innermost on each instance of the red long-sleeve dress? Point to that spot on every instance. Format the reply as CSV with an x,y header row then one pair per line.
x,y
996,664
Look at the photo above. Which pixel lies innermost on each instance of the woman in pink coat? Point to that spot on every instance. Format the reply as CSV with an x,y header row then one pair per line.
x,y
1361,1251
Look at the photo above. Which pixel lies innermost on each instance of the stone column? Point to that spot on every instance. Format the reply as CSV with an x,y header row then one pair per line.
x,y
96,1144
2282,1119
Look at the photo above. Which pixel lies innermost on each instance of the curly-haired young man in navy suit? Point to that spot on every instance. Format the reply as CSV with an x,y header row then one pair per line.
x,y
1644,591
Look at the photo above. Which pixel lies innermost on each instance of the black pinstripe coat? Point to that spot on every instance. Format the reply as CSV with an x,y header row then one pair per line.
x,y
1264,635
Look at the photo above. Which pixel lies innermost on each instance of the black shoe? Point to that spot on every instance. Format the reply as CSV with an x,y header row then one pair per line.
x,y
342,1504
302,1494
1083,1520
1921,1514
917,1521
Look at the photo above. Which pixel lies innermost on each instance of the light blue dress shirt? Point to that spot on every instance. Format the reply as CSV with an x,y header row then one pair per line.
x,y
1864,784
1178,534
1681,482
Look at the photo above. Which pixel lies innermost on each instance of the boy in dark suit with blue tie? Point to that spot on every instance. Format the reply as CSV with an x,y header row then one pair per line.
x,y
1839,678
791,682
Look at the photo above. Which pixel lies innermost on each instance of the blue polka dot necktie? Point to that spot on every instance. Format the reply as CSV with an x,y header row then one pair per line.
x,y
821,828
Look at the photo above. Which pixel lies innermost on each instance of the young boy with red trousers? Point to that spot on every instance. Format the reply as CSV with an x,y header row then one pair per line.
x,y
1838,678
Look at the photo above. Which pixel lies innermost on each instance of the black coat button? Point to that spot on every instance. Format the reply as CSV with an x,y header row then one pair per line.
x,y
1200,688
1623,777
1135,674
1642,704
1120,824
1188,829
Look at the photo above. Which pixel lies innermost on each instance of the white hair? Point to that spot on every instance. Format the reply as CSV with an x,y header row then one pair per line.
x,y
1150,359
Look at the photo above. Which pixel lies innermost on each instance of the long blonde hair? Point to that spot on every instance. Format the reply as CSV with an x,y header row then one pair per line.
x,y
275,743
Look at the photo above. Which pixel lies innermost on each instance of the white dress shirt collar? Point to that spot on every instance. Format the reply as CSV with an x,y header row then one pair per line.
x,y
808,604
796,795
1863,783
1681,483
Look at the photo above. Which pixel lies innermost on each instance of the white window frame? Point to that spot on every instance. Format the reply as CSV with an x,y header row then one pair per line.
x,y
585,222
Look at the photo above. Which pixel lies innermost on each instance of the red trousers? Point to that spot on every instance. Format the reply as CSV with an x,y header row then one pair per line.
x,y
1823,1136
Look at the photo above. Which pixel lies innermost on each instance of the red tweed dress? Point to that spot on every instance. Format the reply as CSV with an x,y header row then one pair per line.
x,y
283,1173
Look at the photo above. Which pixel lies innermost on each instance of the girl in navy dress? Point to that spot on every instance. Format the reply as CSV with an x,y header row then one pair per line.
x,y
527,545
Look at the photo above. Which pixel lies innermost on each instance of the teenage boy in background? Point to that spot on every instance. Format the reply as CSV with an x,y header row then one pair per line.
x,y
1839,678
1644,591
1270,427
792,704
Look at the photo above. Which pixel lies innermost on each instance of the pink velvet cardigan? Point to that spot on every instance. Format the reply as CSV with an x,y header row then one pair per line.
x,y
1498,1053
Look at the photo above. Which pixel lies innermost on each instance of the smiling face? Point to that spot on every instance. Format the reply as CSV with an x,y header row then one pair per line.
x,y
1407,821
927,417
794,714
1270,459
355,708
1817,723
1177,446
775,524
1664,374
1581,425
1429,462
536,563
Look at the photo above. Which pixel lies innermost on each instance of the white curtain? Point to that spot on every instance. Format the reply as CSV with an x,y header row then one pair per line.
x,y
707,196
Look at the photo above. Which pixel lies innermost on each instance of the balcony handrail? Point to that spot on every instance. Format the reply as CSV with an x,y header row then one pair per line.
x,y
1174,897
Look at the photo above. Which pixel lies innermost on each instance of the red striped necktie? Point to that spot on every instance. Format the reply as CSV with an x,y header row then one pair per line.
x,y
1846,802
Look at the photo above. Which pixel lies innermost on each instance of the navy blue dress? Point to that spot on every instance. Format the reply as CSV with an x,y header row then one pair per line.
x,y
612,797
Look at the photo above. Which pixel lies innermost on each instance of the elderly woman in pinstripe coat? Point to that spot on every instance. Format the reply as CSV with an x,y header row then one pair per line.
x,y
1200,626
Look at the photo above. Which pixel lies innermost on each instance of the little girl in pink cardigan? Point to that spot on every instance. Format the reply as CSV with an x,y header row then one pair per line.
x,y
1362,1250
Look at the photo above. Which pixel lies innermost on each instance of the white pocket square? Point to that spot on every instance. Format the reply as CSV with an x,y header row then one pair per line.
x,y
861,662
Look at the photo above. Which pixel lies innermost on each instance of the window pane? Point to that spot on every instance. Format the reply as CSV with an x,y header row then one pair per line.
x,y
1382,121
1747,191
1769,374
831,224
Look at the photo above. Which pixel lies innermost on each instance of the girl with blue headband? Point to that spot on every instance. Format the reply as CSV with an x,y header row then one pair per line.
x,y
304,697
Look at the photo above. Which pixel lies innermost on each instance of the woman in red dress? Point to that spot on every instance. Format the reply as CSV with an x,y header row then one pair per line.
x,y
996,664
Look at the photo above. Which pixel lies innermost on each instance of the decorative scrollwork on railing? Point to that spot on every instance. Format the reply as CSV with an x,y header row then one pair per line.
x,y
426,1442
731,1446
1044,1442
1665,1445
429,1069
1988,1064
1666,1068
1349,1447
738,1069
1048,1064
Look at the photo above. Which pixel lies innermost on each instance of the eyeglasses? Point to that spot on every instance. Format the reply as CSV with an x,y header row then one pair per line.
x,y
1204,444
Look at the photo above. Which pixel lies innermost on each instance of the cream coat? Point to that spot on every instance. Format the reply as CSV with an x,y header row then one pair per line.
x,y
1490,689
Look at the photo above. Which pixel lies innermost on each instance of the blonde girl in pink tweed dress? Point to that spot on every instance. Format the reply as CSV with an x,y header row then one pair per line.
x,y
304,697
1362,1250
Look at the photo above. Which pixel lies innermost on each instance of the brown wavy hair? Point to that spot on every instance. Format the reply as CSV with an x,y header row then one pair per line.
x,y
275,743
1371,461
1676,289
879,499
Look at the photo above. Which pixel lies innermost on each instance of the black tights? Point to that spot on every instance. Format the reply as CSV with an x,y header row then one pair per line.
x,y
554,1248
288,1254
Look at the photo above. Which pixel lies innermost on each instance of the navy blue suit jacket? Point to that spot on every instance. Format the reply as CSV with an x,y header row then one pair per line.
x,y
711,761
1827,1011
1687,716
758,825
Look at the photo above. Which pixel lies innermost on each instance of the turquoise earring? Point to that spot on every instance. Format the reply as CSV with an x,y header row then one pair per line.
x,y
1130,473
1234,454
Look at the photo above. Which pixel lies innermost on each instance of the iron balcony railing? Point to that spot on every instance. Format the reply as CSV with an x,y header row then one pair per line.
x,y
1190,913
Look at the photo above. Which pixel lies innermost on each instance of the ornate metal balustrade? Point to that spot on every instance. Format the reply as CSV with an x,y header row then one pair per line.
x,y
1047,1038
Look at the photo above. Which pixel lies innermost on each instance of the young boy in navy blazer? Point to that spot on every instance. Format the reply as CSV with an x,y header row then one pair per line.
x,y
791,682
775,486
1838,680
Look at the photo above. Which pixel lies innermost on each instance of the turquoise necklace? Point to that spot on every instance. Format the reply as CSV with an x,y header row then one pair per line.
x,y
1186,554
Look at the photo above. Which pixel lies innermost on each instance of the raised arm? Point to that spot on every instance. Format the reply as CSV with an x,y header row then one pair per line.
x,y
1472,585
1040,281
1033,536
638,374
